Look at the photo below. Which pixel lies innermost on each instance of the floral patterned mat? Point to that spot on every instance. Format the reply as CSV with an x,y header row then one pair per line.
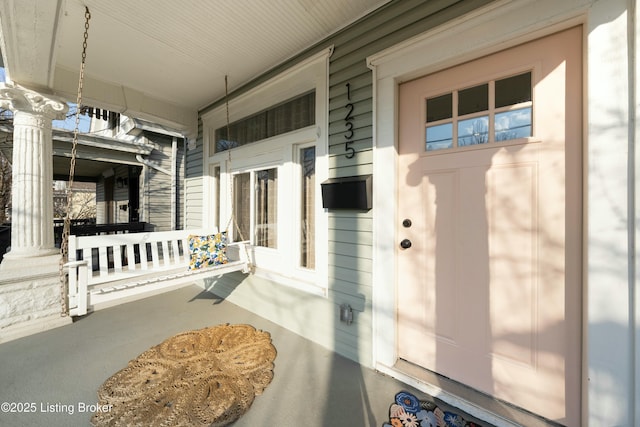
x,y
408,411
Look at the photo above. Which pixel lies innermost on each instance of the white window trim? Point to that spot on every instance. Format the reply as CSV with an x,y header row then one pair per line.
x,y
214,210
262,255
296,227
281,264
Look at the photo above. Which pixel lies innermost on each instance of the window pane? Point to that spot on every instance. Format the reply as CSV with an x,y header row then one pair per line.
x,y
252,129
473,131
223,143
295,114
473,100
513,90
439,108
242,205
307,233
266,201
440,137
513,124
291,115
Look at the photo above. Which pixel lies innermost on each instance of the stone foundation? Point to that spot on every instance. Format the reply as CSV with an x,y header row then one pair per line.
x,y
30,301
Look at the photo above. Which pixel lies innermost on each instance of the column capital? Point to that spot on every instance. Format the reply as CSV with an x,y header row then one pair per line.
x,y
32,172
20,99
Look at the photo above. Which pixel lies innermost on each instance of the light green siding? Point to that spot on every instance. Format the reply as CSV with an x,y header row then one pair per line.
x,y
101,215
158,192
350,233
193,184
350,237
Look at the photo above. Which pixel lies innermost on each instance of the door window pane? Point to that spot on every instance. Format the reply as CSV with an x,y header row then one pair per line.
x,y
439,108
495,111
307,232
513,124
473,131
439,137
473,100
266,204
513,90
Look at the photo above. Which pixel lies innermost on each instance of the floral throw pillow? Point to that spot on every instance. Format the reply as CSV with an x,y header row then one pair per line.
x,y
207,250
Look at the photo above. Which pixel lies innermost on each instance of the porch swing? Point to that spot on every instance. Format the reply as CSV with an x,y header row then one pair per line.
x,y
208,252
125,263
201,246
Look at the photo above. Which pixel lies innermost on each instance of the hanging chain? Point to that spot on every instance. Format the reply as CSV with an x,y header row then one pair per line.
x,y
233,218
64,246
226,100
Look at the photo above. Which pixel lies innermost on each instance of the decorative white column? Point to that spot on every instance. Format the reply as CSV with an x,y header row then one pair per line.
x,y
32,192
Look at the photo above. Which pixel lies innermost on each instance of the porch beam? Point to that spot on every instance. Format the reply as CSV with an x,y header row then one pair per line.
x,y
127,101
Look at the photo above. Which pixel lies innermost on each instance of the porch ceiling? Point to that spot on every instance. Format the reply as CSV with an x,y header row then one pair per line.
x,y
161,60
95,154
85,170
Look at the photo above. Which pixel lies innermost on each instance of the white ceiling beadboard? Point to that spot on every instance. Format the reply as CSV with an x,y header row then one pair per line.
x,y
180,51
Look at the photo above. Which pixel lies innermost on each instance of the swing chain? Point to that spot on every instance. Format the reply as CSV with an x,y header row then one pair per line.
x,y
64,246
232,219
231,178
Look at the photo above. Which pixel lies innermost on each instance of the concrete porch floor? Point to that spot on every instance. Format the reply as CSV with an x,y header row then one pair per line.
x,y
64,367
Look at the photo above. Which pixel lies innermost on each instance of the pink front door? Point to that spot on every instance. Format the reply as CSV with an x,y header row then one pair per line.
x,y
489,282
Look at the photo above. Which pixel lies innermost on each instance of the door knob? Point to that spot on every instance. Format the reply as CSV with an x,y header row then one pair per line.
x,y
406,223
405,244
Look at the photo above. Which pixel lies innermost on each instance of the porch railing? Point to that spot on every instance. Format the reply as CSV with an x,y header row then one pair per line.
x,y
88,227
79,227
5,239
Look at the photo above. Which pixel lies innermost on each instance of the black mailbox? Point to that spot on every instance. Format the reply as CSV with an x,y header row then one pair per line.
x,y
352,192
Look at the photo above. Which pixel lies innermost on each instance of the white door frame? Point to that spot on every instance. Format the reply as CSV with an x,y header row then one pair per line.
x,y
605,173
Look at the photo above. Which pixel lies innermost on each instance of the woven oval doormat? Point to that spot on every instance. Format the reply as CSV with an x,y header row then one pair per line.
x,y
207,377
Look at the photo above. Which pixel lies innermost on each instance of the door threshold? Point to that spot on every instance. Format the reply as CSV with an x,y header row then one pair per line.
x,y
467,399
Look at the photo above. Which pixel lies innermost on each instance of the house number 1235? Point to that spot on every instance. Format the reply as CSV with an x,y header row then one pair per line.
x,y
349,124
